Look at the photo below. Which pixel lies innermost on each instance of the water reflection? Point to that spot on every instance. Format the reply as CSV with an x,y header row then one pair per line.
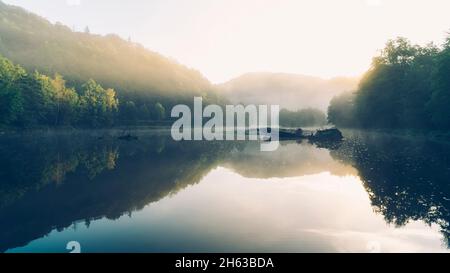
x,y
290,160
300,198
406,177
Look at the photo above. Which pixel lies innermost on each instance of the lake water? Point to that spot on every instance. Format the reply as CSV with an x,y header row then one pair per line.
x,y
371,193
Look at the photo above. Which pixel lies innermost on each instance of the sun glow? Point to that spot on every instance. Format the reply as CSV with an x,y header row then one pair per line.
x,y
224,39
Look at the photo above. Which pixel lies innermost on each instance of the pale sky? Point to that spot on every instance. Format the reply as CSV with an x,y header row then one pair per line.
x,y
226,38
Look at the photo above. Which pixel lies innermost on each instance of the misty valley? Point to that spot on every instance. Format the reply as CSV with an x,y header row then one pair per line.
x,y
316,127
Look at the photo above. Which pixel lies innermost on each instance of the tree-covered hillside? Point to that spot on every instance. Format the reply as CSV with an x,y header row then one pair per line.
x,y
34,99
141,78
407,87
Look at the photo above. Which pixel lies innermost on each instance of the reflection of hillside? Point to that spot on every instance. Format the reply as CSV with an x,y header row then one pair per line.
x,y
52,182
125,178
407,179
32,162
290,160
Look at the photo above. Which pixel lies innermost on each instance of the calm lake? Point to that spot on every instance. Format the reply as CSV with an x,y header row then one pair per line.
x,y
372,193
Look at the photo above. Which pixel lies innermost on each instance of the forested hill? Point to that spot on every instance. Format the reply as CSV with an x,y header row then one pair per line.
x,y
134,72
407,87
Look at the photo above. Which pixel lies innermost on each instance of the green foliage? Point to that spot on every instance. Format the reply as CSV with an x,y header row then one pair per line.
x,y
340,112
159,112
129,112
137,74
302,118
35,90
145,79
97,105
407,87
64,102
439,104
11,99
36,99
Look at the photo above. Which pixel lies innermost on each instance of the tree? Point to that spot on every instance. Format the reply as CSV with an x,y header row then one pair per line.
x,y
11,98
65,101
128,112
341,111
159,112
98,105
36,100
144,112
439,104
405,88
405,83
381,91
49,101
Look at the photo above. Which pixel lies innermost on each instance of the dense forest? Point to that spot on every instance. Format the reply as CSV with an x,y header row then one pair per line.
x,y
36,99
407,87
146,83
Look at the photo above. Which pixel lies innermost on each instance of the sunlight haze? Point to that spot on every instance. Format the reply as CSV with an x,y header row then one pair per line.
x,y
224,39
224,126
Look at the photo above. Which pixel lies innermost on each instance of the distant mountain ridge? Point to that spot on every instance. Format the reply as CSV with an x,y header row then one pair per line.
x,y
290,91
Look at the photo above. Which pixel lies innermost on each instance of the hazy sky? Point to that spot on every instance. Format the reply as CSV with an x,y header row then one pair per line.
x,y
226,38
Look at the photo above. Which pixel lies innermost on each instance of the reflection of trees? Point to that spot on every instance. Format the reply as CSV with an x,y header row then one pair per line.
x,y
291,159
93,162
93,181
407,178
31,163
52,182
